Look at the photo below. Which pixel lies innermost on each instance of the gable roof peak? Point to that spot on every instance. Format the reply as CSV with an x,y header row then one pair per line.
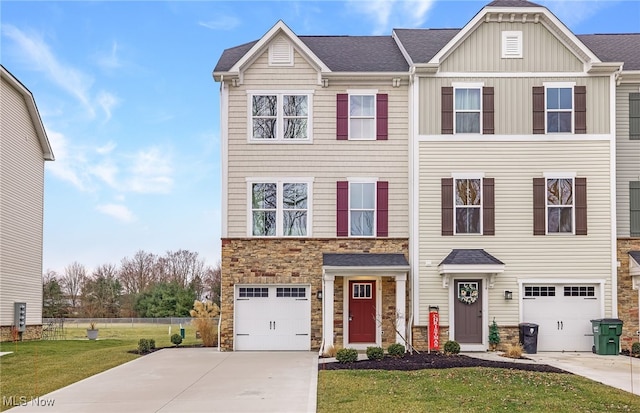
x,y
512,3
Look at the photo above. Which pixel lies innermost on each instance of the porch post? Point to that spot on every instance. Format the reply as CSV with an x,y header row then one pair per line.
x,y
327,313
401,294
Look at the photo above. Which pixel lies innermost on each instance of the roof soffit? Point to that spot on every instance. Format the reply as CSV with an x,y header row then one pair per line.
x,y
280,28
536,15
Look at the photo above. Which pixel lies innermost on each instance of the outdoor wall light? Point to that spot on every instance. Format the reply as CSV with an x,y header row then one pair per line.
x,y
508,295
319,295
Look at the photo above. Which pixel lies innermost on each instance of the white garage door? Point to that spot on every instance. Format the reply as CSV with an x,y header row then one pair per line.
x,y
563,313
272,317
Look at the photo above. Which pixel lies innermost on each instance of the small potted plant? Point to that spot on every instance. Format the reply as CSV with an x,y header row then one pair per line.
x,y
92,331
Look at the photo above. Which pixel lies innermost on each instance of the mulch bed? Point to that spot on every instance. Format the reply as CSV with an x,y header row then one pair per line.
x,y
421,361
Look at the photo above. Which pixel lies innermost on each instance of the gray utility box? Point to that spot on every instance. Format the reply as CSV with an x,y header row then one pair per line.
x,y
20,316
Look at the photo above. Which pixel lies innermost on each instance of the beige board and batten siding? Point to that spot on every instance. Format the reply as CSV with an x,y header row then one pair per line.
x,y
325,159
627,158
513,165
513,102
481,51
21,209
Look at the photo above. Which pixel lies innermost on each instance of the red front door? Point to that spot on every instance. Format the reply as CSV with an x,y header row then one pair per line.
x,y
362,311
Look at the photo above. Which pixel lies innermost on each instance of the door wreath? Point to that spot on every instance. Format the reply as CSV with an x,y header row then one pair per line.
x,y
468,294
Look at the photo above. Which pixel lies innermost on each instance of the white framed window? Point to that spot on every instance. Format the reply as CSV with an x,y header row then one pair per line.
x,y
362,114
279,116
560,205
467,193
511,44
559,107
362,291
279,207
362,209
467,106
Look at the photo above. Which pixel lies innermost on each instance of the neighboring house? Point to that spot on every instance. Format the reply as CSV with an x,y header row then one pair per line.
x,y
24,148
389,175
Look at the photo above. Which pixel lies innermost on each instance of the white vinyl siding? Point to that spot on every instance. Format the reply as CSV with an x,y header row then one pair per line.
x,y
21,209
524,255
627,155
323,159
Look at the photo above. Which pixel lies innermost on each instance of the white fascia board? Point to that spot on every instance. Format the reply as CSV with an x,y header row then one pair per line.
x,y
390,270
279,27
34,114
634,267
605,67
629,76
470,269
404,52
367,75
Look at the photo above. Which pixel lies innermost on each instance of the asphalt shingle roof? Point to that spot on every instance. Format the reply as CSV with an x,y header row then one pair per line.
x,y
623,47
635,255
364,260
470,257
423,44
512,3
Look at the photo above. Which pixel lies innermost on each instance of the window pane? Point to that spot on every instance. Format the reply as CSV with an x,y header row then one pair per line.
x,y
362,196
559,191
294,196
362,129
467,192
468,220
362,223
265,106
295,223
565,98
553,98
295,105
264,223
560,220
295,128
467,99
564,122
467,122
362,106
264,196
264,128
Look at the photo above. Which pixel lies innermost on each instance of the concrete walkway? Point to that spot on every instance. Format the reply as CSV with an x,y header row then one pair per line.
x,y
621,372
194,380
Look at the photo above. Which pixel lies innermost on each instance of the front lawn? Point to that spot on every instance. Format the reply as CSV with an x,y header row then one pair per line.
x,y
475,389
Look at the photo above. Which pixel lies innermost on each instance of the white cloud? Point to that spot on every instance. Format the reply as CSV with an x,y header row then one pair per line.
x,y
151,172
117,211
106,171
221,22
107,148
68,165
574,12
109,60
107,101
387,14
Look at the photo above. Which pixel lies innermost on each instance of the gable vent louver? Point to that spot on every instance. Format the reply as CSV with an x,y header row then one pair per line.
x,y
511,45
281,52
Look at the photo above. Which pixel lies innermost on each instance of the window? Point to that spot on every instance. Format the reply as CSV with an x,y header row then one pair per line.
x,y
560,205
253,292
468,195
361,291
539,291
467,110
362,115
279,209
579,291
468,205
634,116
362,208
559,109
634,208
280,117
296,292
463,286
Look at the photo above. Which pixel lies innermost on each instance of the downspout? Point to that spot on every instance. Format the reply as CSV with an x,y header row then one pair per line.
x,y
321,351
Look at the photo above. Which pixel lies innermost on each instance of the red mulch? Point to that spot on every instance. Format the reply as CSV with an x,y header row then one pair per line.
x,y
421,361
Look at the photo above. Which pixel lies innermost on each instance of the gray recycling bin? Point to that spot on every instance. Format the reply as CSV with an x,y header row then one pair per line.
x,y
529,337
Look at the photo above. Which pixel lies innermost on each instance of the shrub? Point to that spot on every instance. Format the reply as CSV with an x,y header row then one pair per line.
x,y
451,347
152,344
635,349
375,353
514,351
143,346
494,335
176,339
396,350
347,355
204,313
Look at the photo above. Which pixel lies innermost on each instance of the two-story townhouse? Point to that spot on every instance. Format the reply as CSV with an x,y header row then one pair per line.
x,y
23,152
514,154
315,135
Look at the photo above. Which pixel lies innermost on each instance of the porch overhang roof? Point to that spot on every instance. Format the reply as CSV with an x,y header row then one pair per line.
x,y
363,263
634,268
469,261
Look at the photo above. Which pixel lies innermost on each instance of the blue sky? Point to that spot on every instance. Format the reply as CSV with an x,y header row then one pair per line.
x,y
127,98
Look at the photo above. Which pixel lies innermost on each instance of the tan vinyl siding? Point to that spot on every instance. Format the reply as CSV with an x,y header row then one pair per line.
x,y
514,165
627,157
325,159
21,203
482,51
513,103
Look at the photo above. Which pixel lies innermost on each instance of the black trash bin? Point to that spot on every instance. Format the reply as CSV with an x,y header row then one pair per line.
x,y
529,337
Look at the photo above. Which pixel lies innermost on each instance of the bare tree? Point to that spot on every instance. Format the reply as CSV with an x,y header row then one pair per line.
x,y
182,267
53,302
72,281
137,274
102,292
211,283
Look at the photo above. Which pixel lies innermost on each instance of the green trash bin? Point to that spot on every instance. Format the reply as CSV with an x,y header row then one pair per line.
x,y
606,336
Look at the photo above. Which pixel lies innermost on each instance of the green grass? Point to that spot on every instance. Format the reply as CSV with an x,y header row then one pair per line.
x,y
466,390
36,368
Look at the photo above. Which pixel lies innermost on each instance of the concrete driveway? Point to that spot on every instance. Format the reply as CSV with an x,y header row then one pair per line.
x,y
194,380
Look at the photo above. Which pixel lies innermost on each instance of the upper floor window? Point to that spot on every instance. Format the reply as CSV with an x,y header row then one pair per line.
x,y
468,205
560,205
634,115
279,208
467,110
362,208
280,117
559,109
362,115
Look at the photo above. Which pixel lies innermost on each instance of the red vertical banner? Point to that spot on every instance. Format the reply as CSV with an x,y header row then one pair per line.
x,y
434,329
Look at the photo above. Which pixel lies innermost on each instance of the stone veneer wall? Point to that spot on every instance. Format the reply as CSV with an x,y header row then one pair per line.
x,y
627,296
299,260
33,332
508,335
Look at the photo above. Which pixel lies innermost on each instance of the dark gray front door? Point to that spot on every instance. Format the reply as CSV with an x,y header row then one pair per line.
x,y
468,315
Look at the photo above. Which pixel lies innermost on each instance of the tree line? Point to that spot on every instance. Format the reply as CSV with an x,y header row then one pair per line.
x,y
145,285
